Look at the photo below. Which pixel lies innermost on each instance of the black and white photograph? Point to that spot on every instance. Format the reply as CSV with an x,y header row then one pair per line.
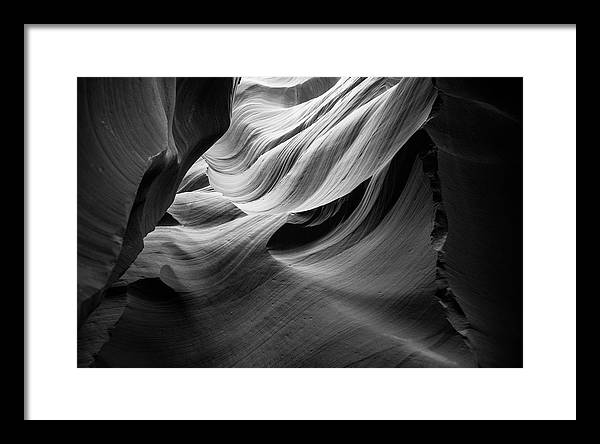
x,y
240,222
299,222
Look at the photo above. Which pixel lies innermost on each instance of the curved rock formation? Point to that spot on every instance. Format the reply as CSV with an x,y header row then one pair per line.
x,y
136,139
336,223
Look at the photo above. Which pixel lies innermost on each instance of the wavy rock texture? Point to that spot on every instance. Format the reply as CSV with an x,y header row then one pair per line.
x,y
136,139
360,222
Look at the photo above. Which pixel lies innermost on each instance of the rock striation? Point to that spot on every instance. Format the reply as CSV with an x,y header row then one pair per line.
x,y
300,222
136,139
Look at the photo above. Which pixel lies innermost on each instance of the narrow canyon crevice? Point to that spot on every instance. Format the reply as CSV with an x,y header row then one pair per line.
x,y
455,314
299,222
